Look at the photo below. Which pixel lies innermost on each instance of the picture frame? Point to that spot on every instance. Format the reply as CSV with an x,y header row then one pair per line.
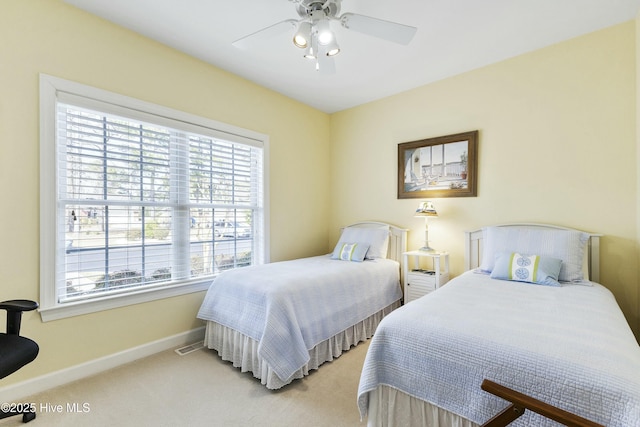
x,y
444,166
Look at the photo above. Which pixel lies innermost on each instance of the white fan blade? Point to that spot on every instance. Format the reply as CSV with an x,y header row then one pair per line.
x,y
271,31
387,30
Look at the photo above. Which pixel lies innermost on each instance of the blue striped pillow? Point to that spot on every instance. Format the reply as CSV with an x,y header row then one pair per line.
x,y
527,268
350,251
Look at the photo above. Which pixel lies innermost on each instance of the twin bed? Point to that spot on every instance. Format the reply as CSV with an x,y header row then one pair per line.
x,y
283,319
564,342
527,314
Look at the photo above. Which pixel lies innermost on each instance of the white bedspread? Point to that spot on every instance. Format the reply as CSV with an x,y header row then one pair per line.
x,y
569,346
291,306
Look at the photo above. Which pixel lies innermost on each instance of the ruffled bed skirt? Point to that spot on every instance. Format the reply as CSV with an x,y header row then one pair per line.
x,y
242,351
389,407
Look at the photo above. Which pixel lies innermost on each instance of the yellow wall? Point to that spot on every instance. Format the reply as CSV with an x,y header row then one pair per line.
x,y
557,145
49,36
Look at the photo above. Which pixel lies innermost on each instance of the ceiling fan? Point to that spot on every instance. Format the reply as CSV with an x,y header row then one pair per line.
x,y
313,30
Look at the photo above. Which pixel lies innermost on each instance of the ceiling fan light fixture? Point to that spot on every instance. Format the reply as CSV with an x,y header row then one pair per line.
x,y
302,37
310,52
313,31
324,33
332,48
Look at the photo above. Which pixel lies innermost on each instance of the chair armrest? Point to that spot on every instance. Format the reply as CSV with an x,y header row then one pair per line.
x,y
14,313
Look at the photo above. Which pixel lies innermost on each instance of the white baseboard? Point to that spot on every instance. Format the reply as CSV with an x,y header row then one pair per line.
x,y
14,392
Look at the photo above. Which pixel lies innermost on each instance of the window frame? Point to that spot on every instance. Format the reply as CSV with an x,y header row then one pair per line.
x,y
50,89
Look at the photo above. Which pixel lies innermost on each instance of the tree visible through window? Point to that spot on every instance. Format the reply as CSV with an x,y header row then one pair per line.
x,y
142,204
145,205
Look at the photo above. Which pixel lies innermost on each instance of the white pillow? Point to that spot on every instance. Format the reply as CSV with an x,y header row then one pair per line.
x,y
566,245
376,237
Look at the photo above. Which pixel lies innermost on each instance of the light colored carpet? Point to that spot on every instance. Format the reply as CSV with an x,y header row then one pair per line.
x,y
199,389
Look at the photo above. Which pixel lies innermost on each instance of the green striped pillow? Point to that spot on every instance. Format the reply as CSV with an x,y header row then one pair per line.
x,y
527,268
350,251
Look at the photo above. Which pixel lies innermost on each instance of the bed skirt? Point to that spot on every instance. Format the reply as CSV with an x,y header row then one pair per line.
x,y
242,351
389,407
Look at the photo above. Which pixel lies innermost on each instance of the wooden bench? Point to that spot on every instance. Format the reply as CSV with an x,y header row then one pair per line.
x,y
521,402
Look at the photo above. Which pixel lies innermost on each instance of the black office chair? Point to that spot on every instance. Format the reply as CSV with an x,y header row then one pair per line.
x,y
16,351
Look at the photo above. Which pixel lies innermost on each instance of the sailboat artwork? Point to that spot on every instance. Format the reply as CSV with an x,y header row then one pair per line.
x,y
438,167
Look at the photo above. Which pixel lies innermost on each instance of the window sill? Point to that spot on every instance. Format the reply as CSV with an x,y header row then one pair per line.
x,y
71,309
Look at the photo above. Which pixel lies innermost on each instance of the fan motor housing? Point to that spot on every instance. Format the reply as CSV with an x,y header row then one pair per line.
x,y
330,7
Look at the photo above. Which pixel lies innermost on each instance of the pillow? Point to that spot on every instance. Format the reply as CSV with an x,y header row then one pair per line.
x,y
527,268
350,251
565,245
376,237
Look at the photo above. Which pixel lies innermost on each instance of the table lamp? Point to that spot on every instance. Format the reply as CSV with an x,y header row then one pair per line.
x,y
426,210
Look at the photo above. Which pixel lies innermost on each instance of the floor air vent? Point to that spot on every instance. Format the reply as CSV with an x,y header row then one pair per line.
x,y
182,351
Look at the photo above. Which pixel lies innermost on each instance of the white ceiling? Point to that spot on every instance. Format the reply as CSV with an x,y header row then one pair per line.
x,y
453,36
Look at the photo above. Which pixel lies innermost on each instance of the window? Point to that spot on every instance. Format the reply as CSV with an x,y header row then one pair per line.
x,y
141,202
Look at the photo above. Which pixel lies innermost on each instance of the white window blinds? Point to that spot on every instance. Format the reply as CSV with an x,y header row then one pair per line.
x,y
141,204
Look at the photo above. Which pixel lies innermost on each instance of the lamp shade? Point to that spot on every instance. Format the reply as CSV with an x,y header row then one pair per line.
x,y
332,48
302,36
426,209
310,53
325,35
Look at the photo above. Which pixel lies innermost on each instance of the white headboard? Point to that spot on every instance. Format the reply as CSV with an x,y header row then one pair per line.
x,y
473,248
397,238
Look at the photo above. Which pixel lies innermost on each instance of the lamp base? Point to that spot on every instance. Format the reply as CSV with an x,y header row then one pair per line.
x,y
426,249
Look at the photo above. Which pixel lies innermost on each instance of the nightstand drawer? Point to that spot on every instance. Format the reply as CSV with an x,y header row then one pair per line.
x,y
427,281
416,289
421,278
420,284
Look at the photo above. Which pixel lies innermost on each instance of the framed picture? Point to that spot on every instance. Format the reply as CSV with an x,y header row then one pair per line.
x,y
446,166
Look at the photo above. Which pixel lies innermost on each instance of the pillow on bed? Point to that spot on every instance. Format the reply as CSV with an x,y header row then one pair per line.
x,y
527,268
350,251
376,237
565,245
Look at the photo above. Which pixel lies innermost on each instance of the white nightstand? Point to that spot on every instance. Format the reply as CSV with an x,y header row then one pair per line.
x,y
419,279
